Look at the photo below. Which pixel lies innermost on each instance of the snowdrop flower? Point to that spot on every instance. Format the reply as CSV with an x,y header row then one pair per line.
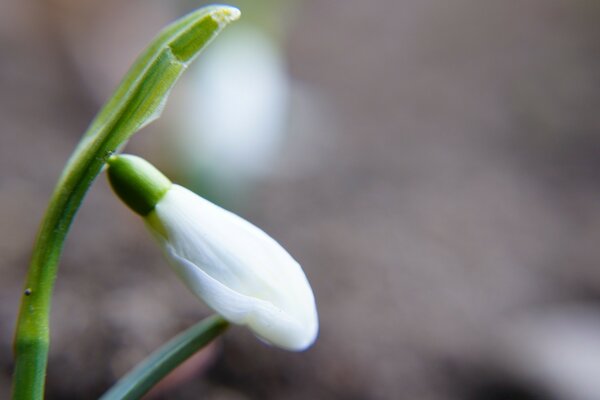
x,y
236,268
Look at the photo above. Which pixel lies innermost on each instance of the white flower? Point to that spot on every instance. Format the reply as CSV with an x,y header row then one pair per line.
x,y
236,268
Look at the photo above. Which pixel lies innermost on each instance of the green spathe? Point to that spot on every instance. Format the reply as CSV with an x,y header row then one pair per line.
x,y
137,182
137,101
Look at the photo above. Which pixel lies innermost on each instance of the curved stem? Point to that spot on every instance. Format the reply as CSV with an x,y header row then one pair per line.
x,y
138,100
150,371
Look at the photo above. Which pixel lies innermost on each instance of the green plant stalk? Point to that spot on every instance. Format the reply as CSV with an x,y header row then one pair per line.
x,y
150,371
137,101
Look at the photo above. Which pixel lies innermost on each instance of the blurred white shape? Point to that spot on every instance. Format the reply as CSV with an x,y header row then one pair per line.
x,y
234,112
561,351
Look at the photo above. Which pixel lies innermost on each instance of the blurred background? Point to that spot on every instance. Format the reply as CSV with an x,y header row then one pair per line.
x,y
432,164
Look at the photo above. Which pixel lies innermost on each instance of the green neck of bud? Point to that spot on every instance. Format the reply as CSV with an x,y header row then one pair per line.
x,y
137,182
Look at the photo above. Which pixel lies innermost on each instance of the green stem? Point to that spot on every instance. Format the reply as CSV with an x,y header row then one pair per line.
x,y
138,100
150,371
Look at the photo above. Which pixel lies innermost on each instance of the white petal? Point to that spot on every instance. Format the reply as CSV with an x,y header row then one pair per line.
x,y
237,269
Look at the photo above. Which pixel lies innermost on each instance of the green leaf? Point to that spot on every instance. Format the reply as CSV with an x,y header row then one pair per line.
x,y
150,371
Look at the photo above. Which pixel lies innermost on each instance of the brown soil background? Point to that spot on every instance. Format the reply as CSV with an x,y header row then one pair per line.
x,y
455,191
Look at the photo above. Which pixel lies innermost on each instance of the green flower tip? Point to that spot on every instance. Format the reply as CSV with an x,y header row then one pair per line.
x,y
137,182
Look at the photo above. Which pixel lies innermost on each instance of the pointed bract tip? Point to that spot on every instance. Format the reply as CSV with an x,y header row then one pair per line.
x,y
226,14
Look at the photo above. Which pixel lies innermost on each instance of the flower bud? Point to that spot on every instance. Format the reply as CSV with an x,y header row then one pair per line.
x,y
236,268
